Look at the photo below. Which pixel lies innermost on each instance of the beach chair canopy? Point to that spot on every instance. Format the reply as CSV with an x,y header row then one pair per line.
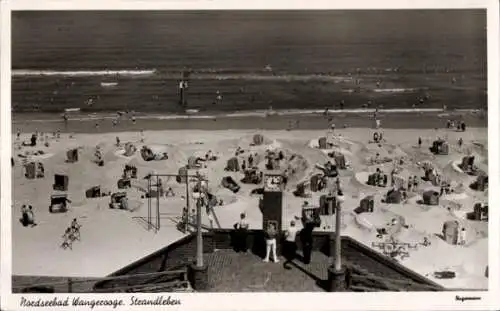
x,y
233,165
193,161
340,161
30,170
450,231
431,197
394,196
258,139
61,182
130,149
93,192
72,155
150,153
322,143
118,196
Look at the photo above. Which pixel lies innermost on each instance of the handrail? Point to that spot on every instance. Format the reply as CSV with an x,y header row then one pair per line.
x,y
141,286
112,278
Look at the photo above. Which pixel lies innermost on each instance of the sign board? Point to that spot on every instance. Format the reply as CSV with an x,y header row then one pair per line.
x,y
273,183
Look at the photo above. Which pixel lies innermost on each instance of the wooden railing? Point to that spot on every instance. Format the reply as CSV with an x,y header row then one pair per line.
x,y
165,281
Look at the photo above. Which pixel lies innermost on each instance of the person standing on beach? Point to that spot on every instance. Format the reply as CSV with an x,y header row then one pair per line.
x,y
462,237
306,238
241,234
460,142
271,234
290,246
419,142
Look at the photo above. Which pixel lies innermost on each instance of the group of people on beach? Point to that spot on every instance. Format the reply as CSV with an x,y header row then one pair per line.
x,y
459,125
28,216
71,234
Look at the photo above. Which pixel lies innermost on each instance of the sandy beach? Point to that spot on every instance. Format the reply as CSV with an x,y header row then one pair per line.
x,y
122,237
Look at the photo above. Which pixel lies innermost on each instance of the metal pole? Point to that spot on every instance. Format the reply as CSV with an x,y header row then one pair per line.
x,y
199,236
157,203
149,203
338,259
187,202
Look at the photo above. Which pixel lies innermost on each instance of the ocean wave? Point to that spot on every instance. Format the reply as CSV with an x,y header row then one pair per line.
x,y
272,77
195,75
244,114
395,90
81,73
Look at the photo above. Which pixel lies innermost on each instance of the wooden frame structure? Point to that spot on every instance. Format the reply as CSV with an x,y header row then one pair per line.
x,y
154,212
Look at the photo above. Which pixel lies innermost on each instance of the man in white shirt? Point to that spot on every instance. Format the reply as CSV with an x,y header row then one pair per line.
x,y
290,245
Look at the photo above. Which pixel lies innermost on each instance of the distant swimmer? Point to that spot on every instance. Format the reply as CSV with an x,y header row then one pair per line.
x,y
90,102
325,113
133,119
115,122
268,67
65,117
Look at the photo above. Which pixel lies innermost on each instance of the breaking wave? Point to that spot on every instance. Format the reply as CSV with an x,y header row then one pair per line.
x,y
242,114
81,73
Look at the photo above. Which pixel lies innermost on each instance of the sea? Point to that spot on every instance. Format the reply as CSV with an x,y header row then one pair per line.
x,y
246,64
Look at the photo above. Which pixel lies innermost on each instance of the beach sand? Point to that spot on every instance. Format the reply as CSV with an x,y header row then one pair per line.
x,y
112,239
